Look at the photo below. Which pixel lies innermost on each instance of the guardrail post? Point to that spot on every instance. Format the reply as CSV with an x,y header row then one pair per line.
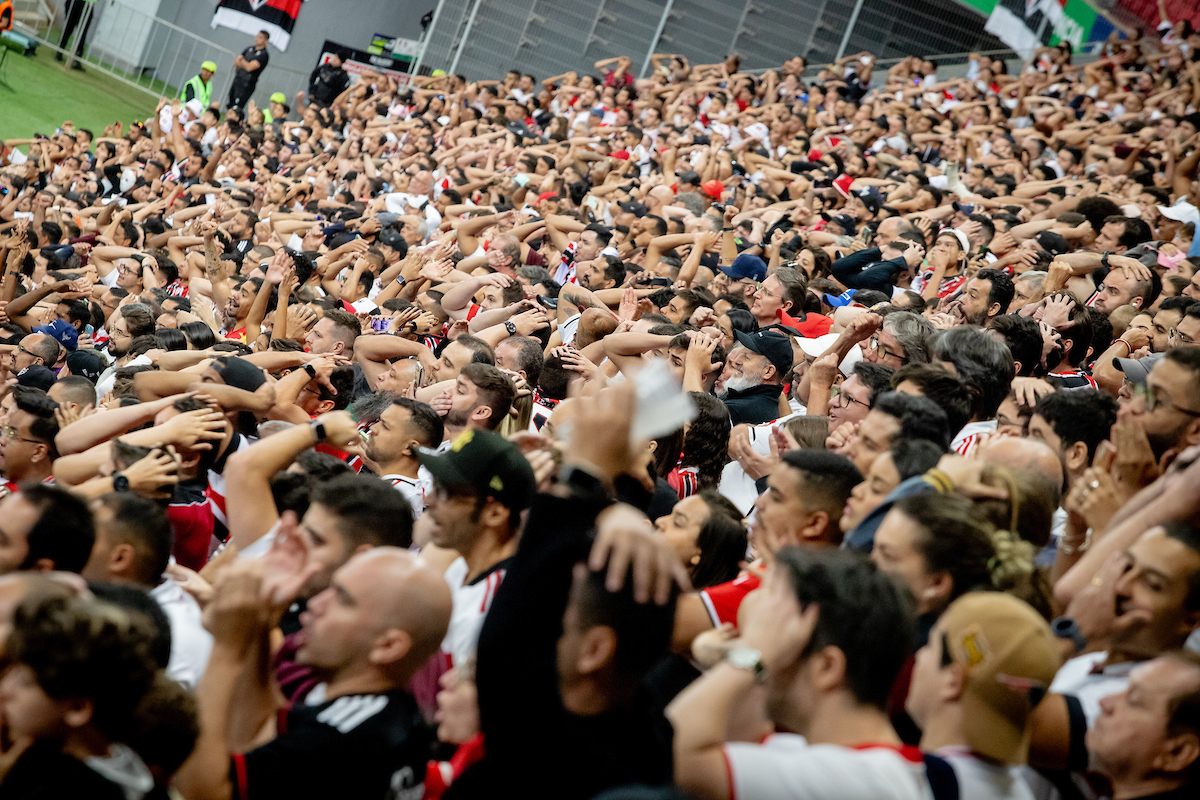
x,y
658,32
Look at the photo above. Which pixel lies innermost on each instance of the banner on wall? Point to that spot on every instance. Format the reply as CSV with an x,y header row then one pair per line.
x,y
357,62
276,17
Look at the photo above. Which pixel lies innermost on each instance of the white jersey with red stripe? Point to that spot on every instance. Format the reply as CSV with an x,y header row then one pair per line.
x,y
216,479
415,490
472,599
968,438
566,268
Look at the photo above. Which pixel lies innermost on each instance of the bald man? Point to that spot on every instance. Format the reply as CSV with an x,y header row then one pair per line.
x,y
1023,453
380,620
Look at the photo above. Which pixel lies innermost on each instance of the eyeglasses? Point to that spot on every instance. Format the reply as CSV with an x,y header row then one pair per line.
x,y
882,350
125,269
23,349
9,433
1151,400
1174,333
841,399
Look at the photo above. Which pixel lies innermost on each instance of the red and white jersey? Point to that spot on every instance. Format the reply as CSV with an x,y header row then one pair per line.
x,y
415,490
177,288
216,479
685,480
724,600
471,602
968,438
566,268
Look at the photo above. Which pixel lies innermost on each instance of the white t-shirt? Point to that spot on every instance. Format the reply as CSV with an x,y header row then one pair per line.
x,y
191,644
471,603
983,780
415,490
786,767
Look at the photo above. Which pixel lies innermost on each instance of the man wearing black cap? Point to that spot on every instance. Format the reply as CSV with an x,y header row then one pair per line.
x,y
756,368
481,486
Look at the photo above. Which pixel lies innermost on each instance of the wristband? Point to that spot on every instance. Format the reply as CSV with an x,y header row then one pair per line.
x,y
311,370
1065,628
318,431
1128,346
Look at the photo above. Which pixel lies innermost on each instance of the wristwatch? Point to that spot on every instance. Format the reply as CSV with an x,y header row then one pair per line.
x,y
749,659
311,370
318,431
120,482
1104,259
1065,628
510,327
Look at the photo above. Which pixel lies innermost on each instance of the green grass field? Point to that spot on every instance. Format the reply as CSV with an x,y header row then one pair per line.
x,y
43,94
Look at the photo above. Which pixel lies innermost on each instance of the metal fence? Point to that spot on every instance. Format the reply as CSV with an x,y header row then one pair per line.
x,y
485,38
143,51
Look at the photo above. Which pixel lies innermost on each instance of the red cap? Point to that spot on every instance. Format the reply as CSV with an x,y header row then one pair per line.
x,y
815,155
842,184
621,154
713,189
544,196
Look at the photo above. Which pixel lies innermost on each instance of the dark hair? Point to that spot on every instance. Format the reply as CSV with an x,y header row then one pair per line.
x,y
369,511
643,630
828,478
1001,290
165,726
142,523
426,421
493,389
86,649
1189,536
1080,415
481,351
955,538
171,339
919,417
529,357
722,542
64,532
139,319
864,614
346,326
199,334
876,377
982,363
706,442
913,457
1023,338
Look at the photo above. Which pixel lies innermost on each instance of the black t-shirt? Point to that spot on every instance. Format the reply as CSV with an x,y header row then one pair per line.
x,y
251,53
44,771
368,746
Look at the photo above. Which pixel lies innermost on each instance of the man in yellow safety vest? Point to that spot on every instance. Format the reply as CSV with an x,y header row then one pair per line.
x,y
200,86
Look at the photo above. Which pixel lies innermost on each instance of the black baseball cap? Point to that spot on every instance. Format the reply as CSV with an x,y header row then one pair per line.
x,y
1053,243
635,208
85,363
239,373
775,346
37,376
487,463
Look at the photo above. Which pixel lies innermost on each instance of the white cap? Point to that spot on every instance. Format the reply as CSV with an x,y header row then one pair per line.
x,y
1182,211
816,348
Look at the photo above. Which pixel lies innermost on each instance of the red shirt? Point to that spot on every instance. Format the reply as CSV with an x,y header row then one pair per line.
x,y
724,600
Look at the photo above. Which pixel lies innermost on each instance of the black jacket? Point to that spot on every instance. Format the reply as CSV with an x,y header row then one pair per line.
x,y
531,739
755,405
326,83
866,270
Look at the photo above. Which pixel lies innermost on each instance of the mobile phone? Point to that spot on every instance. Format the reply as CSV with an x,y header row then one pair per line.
x,y
419,375
380,323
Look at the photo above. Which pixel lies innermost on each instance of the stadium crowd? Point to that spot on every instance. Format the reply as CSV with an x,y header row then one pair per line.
x,y
808,434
